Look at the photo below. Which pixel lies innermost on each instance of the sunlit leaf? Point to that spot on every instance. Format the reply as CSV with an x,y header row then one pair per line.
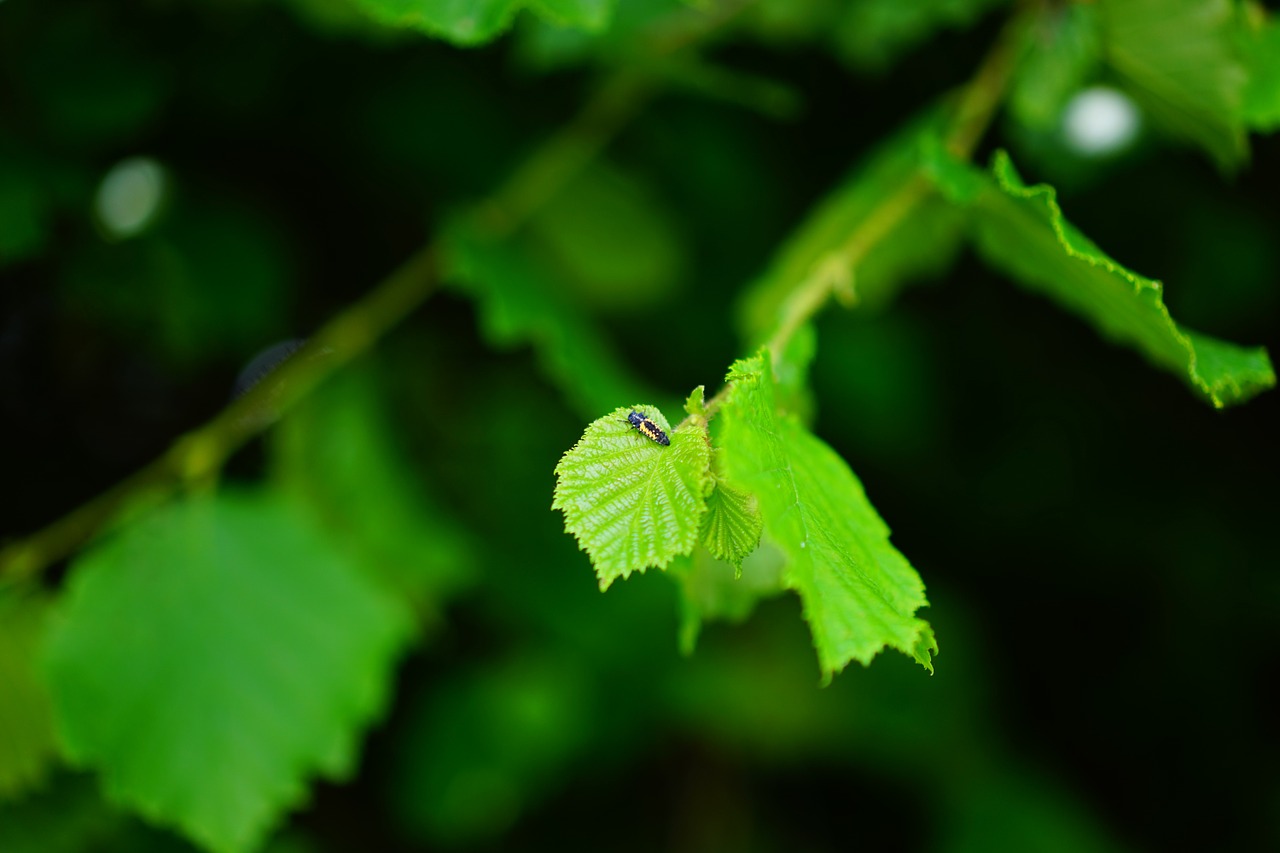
x,y
26,723
211,658
732,526
1181,61
859,593
631,502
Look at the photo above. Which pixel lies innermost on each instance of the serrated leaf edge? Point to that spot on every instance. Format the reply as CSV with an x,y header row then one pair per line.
x,y
1043,194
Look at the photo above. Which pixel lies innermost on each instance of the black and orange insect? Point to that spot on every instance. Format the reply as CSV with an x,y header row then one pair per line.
x,y
648,428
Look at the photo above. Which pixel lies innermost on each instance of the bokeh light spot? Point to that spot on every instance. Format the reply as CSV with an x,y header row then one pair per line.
x,y
1099,121
130,196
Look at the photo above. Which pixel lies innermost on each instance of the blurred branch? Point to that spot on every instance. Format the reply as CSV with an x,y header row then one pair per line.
x,y
196,458
973,112
974,109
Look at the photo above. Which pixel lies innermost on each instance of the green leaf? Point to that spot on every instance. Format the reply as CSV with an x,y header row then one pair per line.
x,y
519,304
696,402
732,527
26,721
1063,50
212,281
921,246
713,590
1181,62
339,456
1260,46
26,205
631,502
210,658
66,816
490,744
473,22
873,34
611,240
859,593
1021,230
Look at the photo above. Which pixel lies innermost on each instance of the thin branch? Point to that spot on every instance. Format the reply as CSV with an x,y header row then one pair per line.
x,y
974,110
196,457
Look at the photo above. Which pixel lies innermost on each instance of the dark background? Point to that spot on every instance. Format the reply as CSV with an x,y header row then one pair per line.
x,y
1099,546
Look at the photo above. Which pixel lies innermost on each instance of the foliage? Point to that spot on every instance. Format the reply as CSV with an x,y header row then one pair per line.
x,y
194,713
368,630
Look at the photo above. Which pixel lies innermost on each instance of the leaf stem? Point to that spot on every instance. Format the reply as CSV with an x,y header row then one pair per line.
x,y
833,274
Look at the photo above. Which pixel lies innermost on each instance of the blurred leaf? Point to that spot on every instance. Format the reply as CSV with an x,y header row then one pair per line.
x,y
519,304
614,242
1021,230
1063,51
26,723
765,95
731,528
1260,46
543,45
1182,64
338,454
490,744
473,22
714,590
26,206
214,281
873,34
922,245
68,816
92,91
630,502
859,593
210,658
1012,810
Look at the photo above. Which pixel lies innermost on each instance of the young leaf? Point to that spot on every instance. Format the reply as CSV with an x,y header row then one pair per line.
x,y
210,658
26,720
631,502
859,593
473,22
519,304
1181,61
1021,230
696,401
731,529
